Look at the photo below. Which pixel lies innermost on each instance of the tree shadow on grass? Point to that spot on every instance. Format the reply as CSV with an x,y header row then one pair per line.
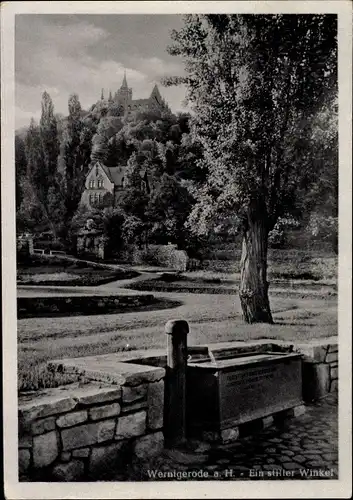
x,y
157,305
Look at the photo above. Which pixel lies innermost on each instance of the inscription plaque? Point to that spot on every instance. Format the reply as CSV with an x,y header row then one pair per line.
x,y
227,392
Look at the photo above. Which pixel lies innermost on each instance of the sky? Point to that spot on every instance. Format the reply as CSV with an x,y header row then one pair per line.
x,y
66,54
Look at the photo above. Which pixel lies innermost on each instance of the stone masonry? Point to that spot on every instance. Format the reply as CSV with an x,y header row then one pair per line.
x,y
85,431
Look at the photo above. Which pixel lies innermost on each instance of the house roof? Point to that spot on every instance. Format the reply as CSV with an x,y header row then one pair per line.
x,y
114,174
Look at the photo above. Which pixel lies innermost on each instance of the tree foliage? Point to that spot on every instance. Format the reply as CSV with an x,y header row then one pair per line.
x,y
20,169
76,147
256,85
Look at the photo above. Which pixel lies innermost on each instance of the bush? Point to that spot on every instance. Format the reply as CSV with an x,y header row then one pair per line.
x,y
165,255
278,237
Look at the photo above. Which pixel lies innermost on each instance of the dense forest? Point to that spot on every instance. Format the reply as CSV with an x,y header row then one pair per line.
x,y
156,147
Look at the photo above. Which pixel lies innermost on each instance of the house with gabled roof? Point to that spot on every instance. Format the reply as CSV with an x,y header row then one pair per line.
x,y
104,185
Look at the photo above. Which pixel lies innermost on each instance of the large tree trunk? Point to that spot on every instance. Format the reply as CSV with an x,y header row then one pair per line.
x,y
253,282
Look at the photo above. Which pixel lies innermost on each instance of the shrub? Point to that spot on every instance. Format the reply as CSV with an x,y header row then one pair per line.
x,y
165,255
277,238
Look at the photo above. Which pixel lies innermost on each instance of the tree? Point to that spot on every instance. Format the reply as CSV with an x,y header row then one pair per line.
x,y
21,169
255,84
168,208
134,199
76,155
41,206
113,220
32,211
50,146
100,149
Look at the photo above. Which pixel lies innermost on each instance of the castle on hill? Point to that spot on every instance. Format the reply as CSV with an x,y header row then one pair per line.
x,y
123,96
105,184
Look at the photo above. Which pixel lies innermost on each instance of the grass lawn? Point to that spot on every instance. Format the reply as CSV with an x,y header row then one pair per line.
x,y
212,318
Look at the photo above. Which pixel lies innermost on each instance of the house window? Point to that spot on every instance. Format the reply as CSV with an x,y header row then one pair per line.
x,y
100,183
91,199
91,184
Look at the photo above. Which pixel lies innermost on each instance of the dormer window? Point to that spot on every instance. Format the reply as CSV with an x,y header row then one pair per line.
x,y
91,184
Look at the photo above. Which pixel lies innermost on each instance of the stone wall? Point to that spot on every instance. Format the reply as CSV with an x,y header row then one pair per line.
x,y
85,304
90,431
320,369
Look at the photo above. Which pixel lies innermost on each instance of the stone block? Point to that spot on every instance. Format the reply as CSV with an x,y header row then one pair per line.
x,y
71,419
45,449
334,372
229,434
71,471
300,458
25,441
299,410
333,348
334,386
267,421
24,460
81,453
148,446
87,434
44,407
131,425
108,368
105,411
132,394
65,456
312,353
43,425
101,396
331,357
139,405
106,460
316,380
155,405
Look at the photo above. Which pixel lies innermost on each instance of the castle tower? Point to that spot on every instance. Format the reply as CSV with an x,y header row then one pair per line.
x,y
124,94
